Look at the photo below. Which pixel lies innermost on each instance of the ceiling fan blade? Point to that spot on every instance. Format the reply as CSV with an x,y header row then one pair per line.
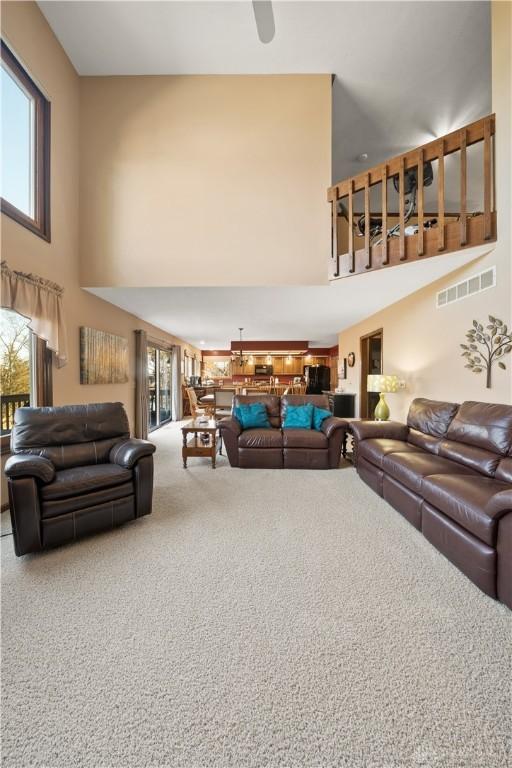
x,y
264,15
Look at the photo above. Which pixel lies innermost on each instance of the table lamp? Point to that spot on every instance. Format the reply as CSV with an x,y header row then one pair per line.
x,y
382,384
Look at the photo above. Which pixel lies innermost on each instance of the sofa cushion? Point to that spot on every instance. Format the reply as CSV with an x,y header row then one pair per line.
x,y
463,499
271,402
426,442
72,482
504,470
410,468
252,415
319,416
484,425
318,401
298,417
67,425
77,454
432,417
470,456
304,438
376,448
261,438
54,507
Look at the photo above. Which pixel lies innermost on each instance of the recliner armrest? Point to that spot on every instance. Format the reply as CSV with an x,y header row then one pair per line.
x,y
128,452
29,465
331,424
499,504
231,424
366,430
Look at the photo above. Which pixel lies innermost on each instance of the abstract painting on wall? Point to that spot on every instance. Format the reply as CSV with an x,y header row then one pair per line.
x,y
103,357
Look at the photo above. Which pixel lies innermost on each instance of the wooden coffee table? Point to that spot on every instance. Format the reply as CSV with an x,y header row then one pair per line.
x,y
200,438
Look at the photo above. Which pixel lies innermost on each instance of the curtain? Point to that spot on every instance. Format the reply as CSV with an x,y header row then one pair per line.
x,y
141,384
177,398
40,301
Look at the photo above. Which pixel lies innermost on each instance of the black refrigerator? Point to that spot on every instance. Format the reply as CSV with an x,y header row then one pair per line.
x,y
318,378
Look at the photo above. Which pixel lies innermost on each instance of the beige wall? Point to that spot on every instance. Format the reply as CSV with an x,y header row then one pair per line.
x,y
421,343
26,30
205,180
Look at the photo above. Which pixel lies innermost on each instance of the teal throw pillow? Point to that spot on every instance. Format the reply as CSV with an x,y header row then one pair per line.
x,y
298,416
252,416
319,415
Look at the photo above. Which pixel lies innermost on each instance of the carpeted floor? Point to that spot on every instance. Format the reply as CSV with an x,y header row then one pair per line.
x,y
256,618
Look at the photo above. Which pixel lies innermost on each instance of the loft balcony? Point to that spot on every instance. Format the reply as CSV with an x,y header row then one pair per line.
x,y
429,201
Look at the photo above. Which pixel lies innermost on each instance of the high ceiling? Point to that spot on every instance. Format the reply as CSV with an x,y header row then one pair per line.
x,y
315,313
406,72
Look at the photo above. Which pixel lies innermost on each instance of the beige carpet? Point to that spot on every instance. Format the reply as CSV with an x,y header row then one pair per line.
x,y
257,618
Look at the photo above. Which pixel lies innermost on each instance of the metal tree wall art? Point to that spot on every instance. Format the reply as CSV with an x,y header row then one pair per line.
x,y
486,345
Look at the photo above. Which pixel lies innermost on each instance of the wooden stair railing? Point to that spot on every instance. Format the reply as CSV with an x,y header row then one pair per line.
x,y
451,232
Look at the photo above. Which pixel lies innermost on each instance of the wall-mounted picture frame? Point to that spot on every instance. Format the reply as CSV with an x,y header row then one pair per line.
x,y
103,357
351,359
343,368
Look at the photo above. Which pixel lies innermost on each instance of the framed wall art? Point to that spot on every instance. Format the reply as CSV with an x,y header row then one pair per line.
x,y
103,357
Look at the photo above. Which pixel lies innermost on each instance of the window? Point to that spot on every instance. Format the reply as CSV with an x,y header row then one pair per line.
x,y
164,388
217,369
25,176
159,386
188,365
15,365
25,370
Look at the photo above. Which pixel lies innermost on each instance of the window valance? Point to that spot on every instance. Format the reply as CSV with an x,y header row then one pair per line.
x,y
40,301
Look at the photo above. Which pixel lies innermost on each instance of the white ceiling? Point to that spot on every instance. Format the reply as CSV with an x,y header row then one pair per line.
x,y
406,72
315,313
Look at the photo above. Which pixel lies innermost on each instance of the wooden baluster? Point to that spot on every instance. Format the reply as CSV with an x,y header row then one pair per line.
x,y
420,203
367,249
384,246
487,179
401,197
334,235
351,254
463,189
440,198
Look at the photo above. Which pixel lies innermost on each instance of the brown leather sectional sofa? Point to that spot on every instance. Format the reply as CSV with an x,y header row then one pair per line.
x,y
449,472
278,448
75,471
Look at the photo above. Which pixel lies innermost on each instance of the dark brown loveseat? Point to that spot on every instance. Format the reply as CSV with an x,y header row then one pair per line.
x,y
75,471
449,472
278,448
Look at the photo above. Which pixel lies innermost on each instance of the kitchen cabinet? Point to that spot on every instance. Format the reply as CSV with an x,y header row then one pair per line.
x,y
283,365
277,365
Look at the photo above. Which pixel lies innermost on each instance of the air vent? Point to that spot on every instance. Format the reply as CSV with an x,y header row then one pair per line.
x,y
469,287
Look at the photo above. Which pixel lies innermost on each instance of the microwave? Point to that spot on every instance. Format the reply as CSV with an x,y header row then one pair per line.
x,y
263,370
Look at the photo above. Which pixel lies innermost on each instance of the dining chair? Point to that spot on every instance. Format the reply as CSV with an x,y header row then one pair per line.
x,y
223,402
195,408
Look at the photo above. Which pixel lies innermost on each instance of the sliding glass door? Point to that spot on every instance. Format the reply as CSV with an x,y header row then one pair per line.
x,y
159,387
164,388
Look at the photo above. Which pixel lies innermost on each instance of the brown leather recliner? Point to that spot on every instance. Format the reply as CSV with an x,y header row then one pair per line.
x,y
449,472
278,448
75,471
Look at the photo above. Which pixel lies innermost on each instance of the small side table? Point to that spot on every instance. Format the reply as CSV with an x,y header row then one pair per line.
x,y
352,458
195,445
